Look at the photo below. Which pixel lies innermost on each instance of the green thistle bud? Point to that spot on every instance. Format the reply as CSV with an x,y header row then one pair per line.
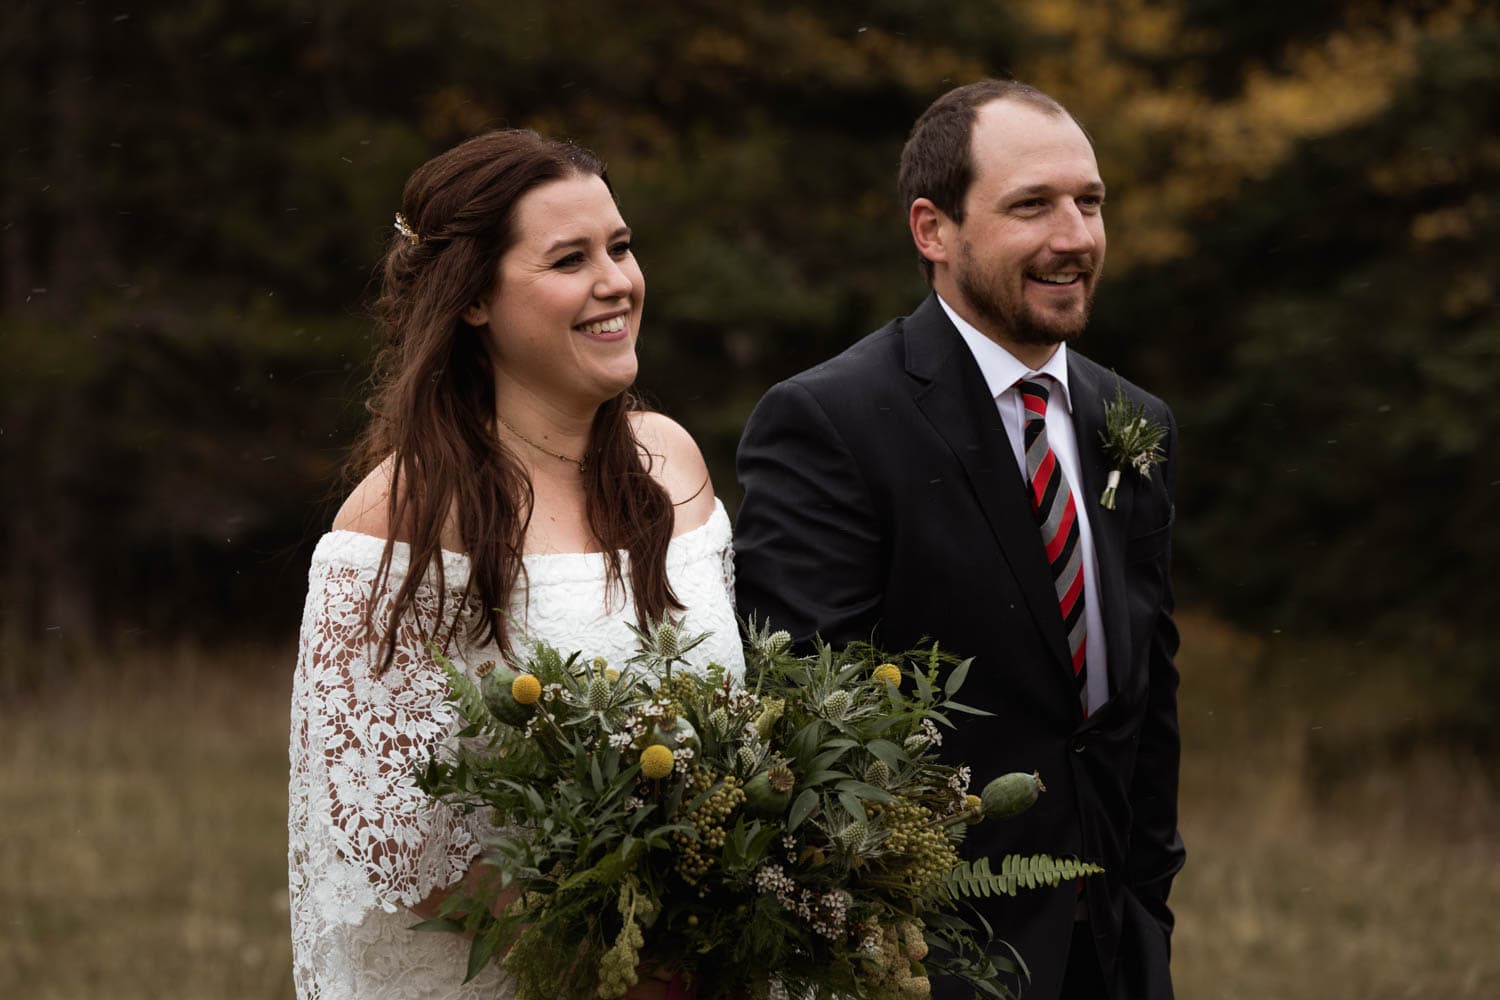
x,y
878,773
778,642
666,641
837,704
747,758
598,694
718,723
915,743
852,837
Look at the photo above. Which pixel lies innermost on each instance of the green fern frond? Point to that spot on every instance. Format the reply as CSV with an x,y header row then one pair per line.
x,y
463,692
1016,872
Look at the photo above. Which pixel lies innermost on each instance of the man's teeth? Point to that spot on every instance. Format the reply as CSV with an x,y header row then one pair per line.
x,y
614,325
1056,279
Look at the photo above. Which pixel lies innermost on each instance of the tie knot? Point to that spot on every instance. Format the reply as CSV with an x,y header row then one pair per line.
x,y
1034,395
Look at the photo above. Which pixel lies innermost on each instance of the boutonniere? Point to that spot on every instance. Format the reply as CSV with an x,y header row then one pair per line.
x,y
1131,439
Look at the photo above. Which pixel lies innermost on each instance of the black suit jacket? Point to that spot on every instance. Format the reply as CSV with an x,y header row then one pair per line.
x,y
882,499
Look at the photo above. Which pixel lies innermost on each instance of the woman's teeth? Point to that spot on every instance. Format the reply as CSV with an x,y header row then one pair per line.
x,y
614,325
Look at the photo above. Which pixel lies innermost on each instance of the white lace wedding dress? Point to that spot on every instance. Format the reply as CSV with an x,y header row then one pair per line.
x,y
364,842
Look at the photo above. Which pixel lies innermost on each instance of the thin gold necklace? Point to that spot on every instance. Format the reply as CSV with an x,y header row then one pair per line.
x,y
582,463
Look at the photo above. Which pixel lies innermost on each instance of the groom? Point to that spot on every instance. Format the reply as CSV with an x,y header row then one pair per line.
x,y
942,478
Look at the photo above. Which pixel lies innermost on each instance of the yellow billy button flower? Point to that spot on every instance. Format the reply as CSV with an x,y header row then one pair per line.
x,y
974,805
526,689
889,673
656,761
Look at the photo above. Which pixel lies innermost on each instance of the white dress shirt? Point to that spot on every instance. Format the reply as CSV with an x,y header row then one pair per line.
x,y
1002,370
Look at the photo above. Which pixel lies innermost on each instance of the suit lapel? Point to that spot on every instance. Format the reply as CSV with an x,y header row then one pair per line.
x,y
952,395
1089,393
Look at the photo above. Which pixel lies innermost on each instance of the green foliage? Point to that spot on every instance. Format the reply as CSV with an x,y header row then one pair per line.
x,y
462,692
1016,872
609,865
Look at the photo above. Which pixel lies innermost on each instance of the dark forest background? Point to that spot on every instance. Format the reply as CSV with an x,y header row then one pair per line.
x,y
1303,230
1304,233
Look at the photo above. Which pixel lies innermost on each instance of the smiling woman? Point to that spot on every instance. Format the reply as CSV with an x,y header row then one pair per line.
x,y
510,488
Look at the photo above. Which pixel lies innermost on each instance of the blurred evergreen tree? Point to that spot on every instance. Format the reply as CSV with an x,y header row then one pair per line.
x,y
195,196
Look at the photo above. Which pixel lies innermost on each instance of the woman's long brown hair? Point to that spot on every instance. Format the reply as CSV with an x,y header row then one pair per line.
x,y
433,403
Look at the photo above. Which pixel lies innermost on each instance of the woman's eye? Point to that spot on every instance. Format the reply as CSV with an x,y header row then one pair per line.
x,y
574,259
621,248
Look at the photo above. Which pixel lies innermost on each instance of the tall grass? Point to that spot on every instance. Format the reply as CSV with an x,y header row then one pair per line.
x,y
143,807
142,811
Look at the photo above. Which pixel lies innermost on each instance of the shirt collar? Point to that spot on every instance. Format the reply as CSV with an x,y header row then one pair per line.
x,y
1002,369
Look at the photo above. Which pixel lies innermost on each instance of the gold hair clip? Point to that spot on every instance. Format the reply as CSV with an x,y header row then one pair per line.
x,y
405,229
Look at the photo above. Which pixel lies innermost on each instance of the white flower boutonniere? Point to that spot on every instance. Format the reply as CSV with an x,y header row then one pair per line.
x,y
1130,439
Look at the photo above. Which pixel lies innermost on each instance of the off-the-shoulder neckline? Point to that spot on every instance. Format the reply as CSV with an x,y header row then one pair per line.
x,y
449,554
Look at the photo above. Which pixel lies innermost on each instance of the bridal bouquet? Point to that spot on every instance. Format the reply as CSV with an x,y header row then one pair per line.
x,y
792,831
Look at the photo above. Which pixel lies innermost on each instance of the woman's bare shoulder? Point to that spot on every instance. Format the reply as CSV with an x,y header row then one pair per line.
x,y
367,508
676,462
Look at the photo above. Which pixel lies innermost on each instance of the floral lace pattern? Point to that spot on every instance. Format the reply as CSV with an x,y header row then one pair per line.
x,y
364,843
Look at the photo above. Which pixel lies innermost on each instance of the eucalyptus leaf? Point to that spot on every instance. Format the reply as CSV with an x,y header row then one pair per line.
x,y
853,806
865,791
801,809
887,751
957,677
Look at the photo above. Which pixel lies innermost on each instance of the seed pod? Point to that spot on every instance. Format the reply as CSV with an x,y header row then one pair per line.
x,y
1011,794
496,689
769,793
679,734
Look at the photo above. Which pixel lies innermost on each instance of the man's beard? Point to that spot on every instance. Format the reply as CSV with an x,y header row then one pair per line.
x,y
1017,320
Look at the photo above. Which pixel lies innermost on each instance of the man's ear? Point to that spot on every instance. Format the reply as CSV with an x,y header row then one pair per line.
x,y
931,230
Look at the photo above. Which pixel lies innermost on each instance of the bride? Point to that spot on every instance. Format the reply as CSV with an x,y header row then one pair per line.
x,y
512,488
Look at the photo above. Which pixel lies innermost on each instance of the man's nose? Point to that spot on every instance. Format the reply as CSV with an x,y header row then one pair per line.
x,y
1074,232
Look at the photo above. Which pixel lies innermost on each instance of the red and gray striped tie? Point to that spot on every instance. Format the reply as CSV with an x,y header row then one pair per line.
x,y
1052,501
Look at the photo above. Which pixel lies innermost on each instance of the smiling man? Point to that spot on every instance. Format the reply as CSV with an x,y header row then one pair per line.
x,y
942,478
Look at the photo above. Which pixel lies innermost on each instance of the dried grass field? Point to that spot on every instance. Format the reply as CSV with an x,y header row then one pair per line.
x,y
142,804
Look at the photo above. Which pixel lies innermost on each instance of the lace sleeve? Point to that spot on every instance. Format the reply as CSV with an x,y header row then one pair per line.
x,y
361,834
